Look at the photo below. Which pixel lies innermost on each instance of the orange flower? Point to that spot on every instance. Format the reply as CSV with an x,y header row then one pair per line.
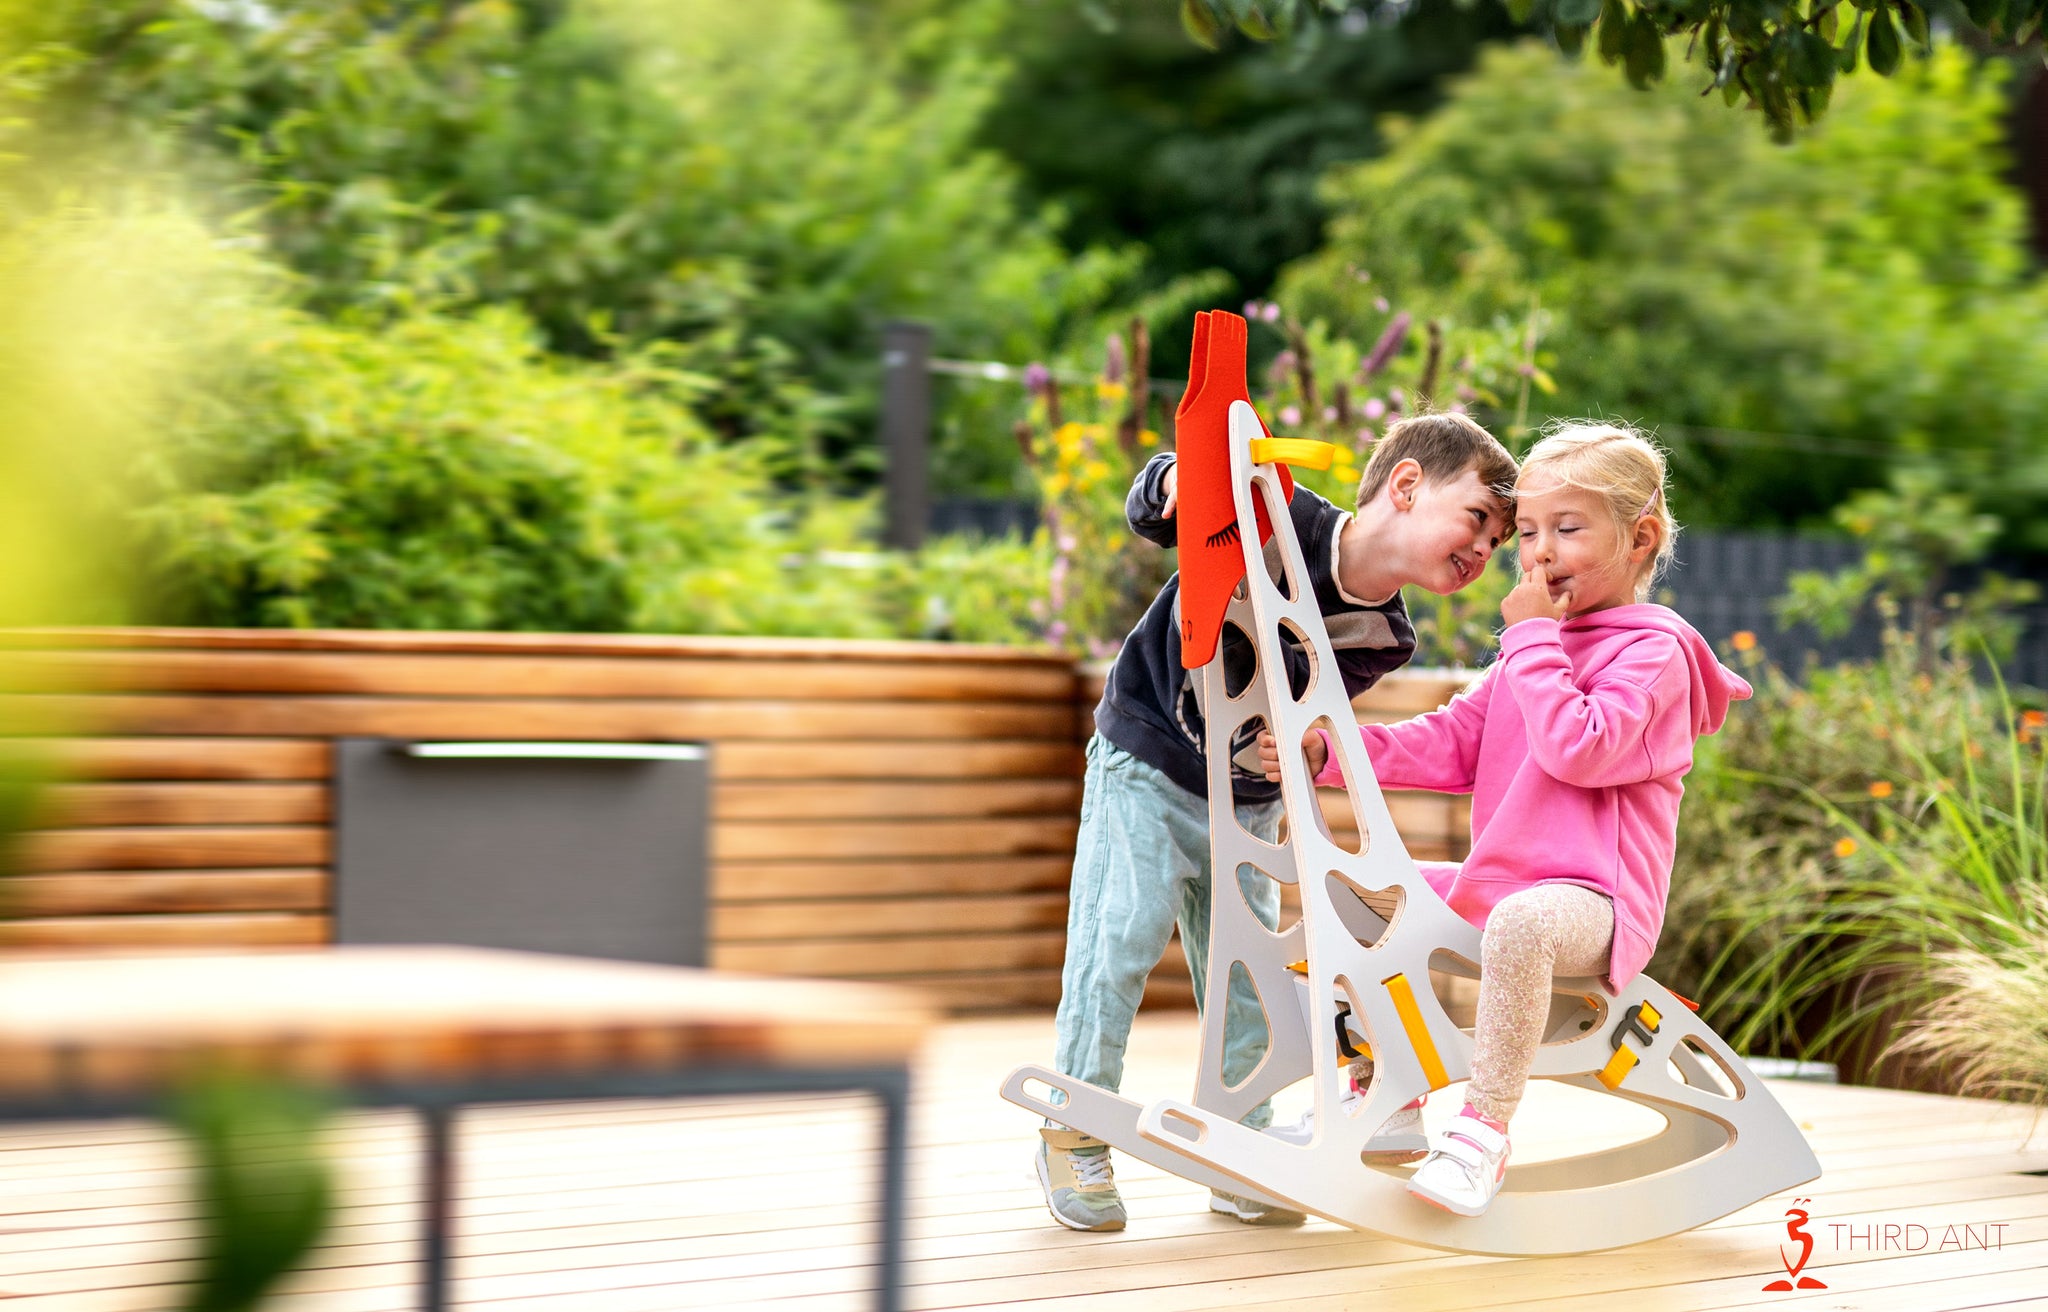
x,y
1845,847
2034,719
1881,789
1743,640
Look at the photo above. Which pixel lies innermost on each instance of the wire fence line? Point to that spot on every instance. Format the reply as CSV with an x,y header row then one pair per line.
x,y
995,371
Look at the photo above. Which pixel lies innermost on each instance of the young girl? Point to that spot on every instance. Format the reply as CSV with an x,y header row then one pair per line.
x,y
1573,746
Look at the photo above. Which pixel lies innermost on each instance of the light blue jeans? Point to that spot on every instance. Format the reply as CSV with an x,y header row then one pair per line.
x,y
1141,864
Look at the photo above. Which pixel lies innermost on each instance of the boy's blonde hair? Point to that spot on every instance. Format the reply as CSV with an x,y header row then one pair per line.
x,y
1445,444
1625,470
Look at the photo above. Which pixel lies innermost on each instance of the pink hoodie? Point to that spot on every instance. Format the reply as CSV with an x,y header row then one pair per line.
x,y
1573,746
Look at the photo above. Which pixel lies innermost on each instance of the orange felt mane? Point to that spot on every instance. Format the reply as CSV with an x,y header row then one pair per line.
x,y
1211,550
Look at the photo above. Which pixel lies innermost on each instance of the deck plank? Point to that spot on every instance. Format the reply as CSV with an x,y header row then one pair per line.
x,y
651,1206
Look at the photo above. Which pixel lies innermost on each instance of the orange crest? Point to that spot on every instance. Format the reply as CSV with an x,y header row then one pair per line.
x,y
1211,546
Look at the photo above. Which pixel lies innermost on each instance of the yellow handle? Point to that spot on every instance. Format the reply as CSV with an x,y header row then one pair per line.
x,y
1306,452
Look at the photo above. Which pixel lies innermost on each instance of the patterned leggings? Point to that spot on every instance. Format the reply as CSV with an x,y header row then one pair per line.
x,y
1530,936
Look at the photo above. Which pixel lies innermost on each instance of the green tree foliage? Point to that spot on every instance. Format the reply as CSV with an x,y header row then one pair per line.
x,y
758,184
1780,58
1865,286
1212,159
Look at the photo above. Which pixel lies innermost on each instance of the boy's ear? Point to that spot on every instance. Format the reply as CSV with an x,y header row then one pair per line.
x,y
1403,482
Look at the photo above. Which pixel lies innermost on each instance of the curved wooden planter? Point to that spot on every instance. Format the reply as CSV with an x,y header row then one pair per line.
x,y
898,811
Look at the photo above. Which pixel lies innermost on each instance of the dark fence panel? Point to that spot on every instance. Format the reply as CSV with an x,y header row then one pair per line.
x,y
988,517
1727,581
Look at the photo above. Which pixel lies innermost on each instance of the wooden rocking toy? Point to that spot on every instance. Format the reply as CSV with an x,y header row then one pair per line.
x,y
1372,929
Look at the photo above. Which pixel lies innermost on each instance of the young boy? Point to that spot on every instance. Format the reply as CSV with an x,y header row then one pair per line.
x,y
1432,508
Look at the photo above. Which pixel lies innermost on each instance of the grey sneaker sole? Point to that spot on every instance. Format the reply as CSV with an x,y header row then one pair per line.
x,y
1252,1214
1045,1187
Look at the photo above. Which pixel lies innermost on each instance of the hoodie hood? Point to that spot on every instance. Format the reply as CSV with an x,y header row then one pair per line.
x,y
1714,685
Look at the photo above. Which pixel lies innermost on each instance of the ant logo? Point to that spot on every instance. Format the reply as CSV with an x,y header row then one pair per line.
x,y
1795,1226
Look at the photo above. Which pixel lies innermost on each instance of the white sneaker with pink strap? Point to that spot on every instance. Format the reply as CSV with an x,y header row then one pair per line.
x,y
1467,1161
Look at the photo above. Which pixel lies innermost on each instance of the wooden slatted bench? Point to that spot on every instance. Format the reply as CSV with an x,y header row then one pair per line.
x,y
880,811
898,811
435,1029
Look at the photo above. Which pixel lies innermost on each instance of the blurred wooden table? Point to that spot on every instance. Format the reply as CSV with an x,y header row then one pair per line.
x,y
434,1028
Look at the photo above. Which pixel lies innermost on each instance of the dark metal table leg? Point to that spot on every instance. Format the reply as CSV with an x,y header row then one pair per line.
x,y
437,1120
895,1095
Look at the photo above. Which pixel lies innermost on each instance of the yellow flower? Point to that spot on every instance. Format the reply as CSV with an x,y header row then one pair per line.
x,y
1056,485
1881,789
1845,847
1111,391
1342,456
1148,438
1346,475
1095,471
1743,640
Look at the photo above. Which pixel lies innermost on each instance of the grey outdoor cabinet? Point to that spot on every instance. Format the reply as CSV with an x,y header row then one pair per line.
x,y
592,849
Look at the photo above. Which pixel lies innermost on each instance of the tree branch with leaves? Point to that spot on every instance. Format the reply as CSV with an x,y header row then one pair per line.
x,y
1780,57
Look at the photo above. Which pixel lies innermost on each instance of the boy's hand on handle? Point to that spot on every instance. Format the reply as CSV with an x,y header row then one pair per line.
x,y
1530,599
1171,484
1311,746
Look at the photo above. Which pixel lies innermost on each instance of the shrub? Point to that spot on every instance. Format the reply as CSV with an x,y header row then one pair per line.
x,y
1861,861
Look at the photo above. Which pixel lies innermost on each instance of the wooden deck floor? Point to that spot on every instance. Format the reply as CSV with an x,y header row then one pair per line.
x,y
648,1207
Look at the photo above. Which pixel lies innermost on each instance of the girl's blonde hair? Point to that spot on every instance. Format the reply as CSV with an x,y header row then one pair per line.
x,y
1624,469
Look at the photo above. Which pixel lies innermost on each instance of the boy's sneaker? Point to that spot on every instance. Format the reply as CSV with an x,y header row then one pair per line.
x,y
1252,1213
1399,1139
1080,1186
1465,1166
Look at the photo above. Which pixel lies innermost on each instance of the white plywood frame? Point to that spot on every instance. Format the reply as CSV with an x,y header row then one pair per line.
x,y
1726,1143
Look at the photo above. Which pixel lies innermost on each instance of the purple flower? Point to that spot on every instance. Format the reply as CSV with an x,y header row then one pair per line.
x,y
1387,346
1458,409
1380,303
1036,376
1365,436
1397,398
1251,309
1271,314
1290,415
1373,408
1282,367
1329,414
1067,543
